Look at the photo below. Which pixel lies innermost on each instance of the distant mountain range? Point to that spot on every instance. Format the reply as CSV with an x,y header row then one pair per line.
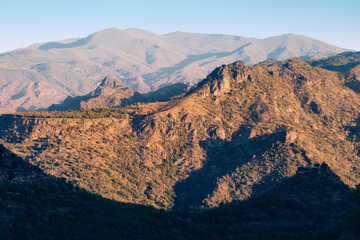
x,y
43,74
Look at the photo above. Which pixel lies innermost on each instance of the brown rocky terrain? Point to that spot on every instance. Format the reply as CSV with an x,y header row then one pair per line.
x,y
112,93
35,205
242,130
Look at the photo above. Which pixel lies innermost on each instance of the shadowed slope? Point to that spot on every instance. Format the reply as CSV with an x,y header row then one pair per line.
x,y
34,205
239,132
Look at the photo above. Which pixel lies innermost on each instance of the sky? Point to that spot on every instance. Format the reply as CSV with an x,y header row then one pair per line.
x,y
25,22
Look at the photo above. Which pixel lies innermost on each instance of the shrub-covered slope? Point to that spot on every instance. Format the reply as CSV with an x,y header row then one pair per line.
x,y
341,62
34,205
242,130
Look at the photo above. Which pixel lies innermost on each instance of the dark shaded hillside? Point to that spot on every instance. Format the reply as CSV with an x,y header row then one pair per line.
x,y
348,228
237,134
166,93
34,205
341,62
347,64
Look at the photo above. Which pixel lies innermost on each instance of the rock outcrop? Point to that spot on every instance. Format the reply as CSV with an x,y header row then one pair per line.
x,y
238,133
112,93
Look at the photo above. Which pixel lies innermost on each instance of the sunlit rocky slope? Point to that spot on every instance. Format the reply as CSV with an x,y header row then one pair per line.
x,y
239,132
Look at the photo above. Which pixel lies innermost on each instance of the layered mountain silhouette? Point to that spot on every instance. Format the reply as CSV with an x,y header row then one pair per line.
x,y
269,151
342,62
36,77
238,133
113,93
346,64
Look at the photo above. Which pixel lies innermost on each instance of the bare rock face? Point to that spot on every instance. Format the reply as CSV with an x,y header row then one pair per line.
x,y
291,137
221,78
109,86
220,81
216,136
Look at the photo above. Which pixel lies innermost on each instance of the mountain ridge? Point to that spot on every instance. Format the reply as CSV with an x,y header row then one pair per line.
x,y
112,93
238,133
143,60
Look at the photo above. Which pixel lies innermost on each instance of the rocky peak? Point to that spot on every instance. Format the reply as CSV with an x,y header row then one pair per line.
x,y
219,80
265,123
294,63
111,85
227,77
111,82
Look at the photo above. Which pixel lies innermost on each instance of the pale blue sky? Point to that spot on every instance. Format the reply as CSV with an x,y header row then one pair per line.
x,y
24,22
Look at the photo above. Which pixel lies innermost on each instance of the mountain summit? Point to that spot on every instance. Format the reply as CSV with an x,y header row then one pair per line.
x,y
43,74
110,93
241,131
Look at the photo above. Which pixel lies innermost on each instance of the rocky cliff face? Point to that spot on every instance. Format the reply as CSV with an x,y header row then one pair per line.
x,y
242,130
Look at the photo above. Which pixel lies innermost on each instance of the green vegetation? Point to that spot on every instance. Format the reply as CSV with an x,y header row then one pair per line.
x,y
341,62
34,205
242,130
83,113
348,228
244,151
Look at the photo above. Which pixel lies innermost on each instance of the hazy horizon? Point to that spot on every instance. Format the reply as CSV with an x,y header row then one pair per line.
x,y
25,23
